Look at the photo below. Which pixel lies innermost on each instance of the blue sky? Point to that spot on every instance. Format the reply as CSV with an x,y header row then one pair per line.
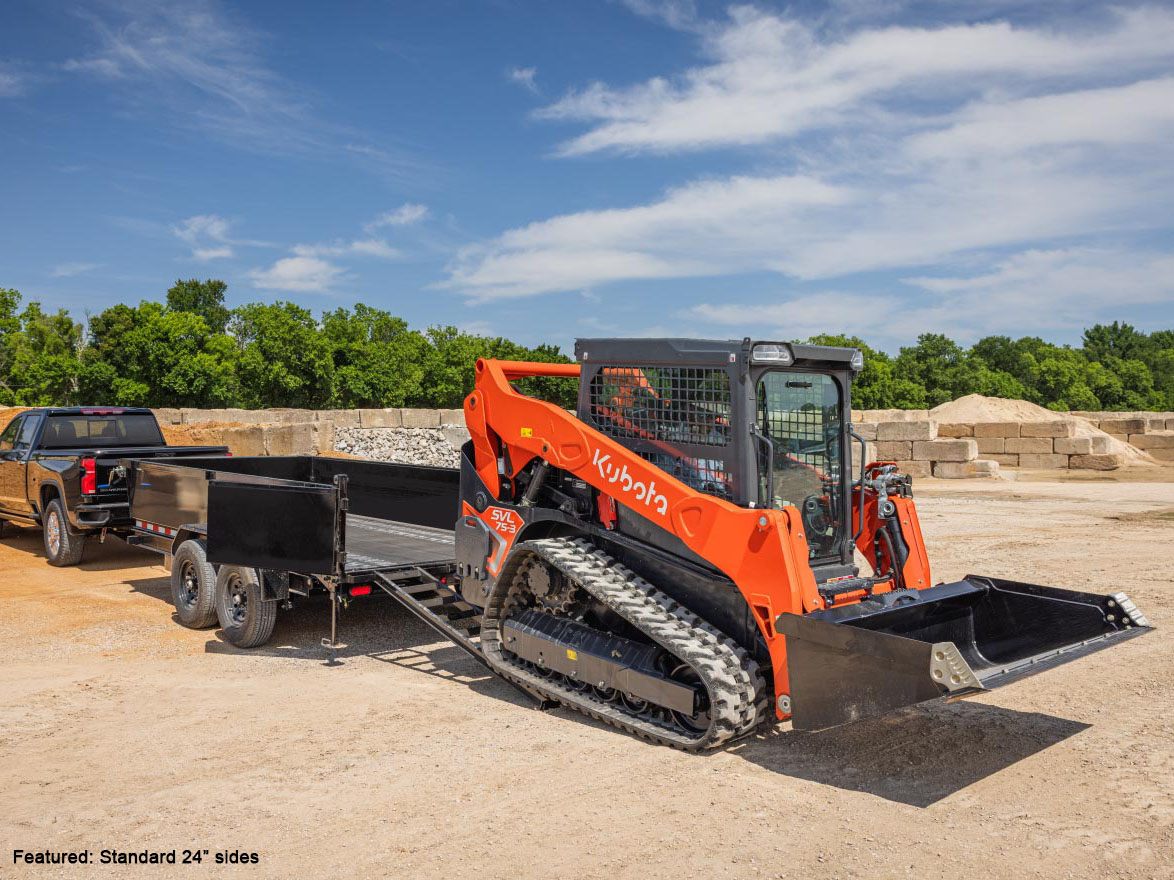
x,y
543,170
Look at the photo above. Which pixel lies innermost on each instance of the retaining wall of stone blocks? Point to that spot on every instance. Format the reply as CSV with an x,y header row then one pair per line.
x,y
921,445
913,437
1152,432
395,434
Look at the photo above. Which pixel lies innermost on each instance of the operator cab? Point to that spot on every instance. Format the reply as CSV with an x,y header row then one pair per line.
x,y
757,423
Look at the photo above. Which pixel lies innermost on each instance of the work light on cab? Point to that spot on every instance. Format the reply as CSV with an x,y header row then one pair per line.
x,y
772,353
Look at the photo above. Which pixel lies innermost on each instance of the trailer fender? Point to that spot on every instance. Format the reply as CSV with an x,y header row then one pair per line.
x,y
189,532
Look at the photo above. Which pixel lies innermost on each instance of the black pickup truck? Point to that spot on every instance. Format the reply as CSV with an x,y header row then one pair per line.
x,y
60,470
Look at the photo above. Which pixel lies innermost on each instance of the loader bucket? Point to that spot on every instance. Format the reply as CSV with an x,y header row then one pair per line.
x,y
952,640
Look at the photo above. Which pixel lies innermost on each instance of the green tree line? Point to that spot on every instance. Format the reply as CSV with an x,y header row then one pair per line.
x,y
1116,368
192,350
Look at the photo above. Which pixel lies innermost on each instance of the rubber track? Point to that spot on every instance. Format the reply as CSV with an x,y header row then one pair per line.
x,y
729,675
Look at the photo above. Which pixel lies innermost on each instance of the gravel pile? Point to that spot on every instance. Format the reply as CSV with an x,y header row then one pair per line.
x,y
424,446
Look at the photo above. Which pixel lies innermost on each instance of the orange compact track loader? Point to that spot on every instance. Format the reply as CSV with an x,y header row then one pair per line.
x,y
679,559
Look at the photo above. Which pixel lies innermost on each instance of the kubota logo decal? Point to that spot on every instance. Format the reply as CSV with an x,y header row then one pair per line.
x,y
622,479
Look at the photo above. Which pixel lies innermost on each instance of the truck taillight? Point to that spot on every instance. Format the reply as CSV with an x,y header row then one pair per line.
x,y
89,476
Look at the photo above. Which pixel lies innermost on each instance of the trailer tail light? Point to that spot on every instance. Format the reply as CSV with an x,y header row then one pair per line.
x,y
364,590
89,476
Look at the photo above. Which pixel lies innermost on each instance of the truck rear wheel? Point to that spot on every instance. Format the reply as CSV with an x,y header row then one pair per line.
x,y
61,546
246,616
193,586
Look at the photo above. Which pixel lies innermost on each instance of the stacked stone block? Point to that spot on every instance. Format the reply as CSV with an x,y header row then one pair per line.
x,y
1049,444
919,444
921,448
313,432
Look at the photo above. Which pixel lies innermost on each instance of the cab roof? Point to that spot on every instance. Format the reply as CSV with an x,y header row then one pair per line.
x,y
702,351
89,410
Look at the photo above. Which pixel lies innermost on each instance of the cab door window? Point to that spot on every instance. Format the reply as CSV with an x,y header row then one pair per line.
x,y
28,430
800,414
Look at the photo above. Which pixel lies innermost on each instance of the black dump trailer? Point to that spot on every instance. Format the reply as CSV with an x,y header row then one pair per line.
x,y
244,535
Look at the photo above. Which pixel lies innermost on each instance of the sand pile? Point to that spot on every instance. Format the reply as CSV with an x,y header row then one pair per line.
x,y
975,408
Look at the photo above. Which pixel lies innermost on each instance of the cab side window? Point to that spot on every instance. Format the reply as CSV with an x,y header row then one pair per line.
x,y
28,430
8,438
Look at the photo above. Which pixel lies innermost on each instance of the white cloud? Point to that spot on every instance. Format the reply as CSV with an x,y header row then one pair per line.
x,y
100,66
207,234
374,245
678,14
902,148
702,229
12,84
204,64
1059,288
774,77
524,76
297,274
1032,291
407,214
309,269
799,226
371,247
217,252
69,270
1141,112
798,317
201,67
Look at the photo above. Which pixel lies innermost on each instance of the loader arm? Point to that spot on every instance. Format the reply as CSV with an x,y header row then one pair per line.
x,y
892,544
763,551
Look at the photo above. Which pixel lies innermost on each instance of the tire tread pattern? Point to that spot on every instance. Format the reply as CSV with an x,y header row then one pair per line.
x,y
258,626
203,615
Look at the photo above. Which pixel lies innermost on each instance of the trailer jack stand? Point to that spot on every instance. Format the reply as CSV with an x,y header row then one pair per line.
x,y
331,644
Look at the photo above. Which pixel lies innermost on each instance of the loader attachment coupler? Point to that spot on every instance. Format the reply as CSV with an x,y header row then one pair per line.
x,y
952,640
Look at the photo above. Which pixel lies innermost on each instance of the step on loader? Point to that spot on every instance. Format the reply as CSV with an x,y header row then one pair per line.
x,y
701,549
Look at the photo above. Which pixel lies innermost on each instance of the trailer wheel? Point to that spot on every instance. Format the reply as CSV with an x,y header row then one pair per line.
x,y
61,546
246,616
193,586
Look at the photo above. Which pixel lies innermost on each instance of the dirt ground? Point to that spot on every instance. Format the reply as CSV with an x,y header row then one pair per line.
x,y
122,730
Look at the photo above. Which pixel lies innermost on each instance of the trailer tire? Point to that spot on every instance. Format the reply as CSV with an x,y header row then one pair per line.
x,y
62,547
193,586
246,616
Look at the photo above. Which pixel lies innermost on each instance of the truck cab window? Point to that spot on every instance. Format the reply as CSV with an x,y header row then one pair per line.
x,y
124,429
8,438
28,430
800,414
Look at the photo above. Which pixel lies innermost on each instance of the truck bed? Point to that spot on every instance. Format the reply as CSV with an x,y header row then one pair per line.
x,y
379,544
